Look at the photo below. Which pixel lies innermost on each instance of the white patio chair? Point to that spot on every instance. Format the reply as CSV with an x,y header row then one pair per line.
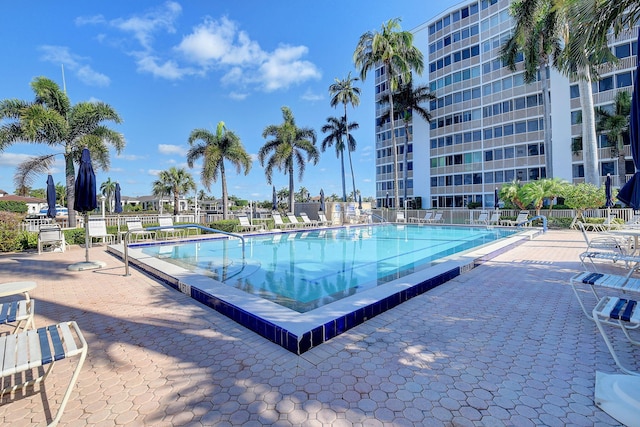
x,y
98,231
400,217
523,216
279,223
51,235
483,218
308,221
167,221
426,218
322,219
495,219
293,220
136,230
245,224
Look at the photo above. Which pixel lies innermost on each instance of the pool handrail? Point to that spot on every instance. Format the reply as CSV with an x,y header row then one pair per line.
x,y
378,217
125,239
530,221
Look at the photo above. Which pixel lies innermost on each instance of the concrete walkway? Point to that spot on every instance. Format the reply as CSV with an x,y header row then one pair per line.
x,y
503,345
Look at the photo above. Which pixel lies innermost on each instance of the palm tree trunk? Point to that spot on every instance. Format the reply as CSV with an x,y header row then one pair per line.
x,y
546,107
71,181
291,188
396,195
622,176
353,178
176,201
225,196
344,184
589,140
405,172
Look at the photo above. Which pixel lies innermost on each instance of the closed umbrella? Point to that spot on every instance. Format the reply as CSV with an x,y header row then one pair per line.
x,y
85,202
630,192
607,192
360,202
274,201
117,208
321,200
51,198
496,199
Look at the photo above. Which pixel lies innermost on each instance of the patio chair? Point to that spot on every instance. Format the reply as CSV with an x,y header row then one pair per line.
x,y
293,220
495,219
167,221
51,235
483,218
400,217
603,247
98,231
308,221
245,224
19,313
522,218
136,230
279,223
426,218
322,219
25,352
437,218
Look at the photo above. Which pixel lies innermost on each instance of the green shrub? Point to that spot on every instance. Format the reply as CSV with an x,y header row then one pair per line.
x,y
15,207
10,235
228,225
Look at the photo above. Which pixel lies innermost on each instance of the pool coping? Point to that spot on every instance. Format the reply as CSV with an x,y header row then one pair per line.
x,y
299,332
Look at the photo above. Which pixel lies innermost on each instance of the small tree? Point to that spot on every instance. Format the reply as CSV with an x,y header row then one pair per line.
x,y
511,193
583,196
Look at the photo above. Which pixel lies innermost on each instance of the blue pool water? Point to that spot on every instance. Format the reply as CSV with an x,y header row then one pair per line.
x,y
309,269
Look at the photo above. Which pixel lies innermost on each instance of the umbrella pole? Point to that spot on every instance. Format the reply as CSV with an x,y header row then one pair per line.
x,y
86,235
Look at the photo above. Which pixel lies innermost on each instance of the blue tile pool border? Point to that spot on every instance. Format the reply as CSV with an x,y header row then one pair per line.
x,y
300,343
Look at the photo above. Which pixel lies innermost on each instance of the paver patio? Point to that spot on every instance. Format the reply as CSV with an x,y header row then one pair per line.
x,y
504,344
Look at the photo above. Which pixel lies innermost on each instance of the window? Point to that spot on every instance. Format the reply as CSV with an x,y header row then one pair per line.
x,y
624,79
623,51
497,154
509,175
477,178
605,84
534,174
575,91
509,153
488,156
578,171
576,117
488,134
457,180
532,101
521,151
519,103
508,129
608,167
499,176
521,127
533,149
532,125
488,177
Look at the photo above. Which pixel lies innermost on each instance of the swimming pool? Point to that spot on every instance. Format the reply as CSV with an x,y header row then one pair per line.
x,y
302,288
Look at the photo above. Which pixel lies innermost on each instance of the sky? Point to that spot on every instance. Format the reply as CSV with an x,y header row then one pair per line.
x,y
171,67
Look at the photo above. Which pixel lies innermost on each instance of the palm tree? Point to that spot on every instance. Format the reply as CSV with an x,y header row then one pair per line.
x,y
536,34
616,125
108,190
287,148
51,119
215,149
512,192
394,49
618,15
60,193
344,92
409,99
336,128
174,182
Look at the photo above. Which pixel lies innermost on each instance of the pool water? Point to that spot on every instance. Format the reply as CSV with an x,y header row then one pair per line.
x,y
309,269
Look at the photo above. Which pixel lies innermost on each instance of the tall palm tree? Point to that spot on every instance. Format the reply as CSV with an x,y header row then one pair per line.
x,y
60,193
214,150
51,119
536,35
288,148
618,15
616,125
344,92
108,190
174,182
394,49
409,99
336,128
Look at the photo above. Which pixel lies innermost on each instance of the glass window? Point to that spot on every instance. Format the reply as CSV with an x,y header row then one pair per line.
x,y
499,176
473,9
497,154
532,125
467,179
623,79
521,151
532,101
576,117
455,16
508,129
518,79
623,51
507,83
605,84
496,109
457,180
457,56
488,177
533,149
578,171
458,138
519,103
497,132
486,68
608,167
509,152
475,50
475,93
457,159
509,175
464,12
488,156
477,178
575,91
447,61
534,174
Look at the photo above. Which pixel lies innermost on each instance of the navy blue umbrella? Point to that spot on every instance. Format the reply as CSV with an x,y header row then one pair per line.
x,y
496,199
607,191
630,192
274,201
118,200
321,200
387,201
51,198
360,202
85,193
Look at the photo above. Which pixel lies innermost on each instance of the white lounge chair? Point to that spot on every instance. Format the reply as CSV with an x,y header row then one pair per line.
x,y
27,351
20,313
51,235
245,224
426,218
308,221
293,220
400,217
483,219
279,223
495,219
136,230
437,218
323,219
98,231
522,218
167,221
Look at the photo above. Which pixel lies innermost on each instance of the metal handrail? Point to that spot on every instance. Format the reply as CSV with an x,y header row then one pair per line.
x,y
375,215
125,239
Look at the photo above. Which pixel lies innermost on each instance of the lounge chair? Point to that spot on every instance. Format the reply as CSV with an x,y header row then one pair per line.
x,y
25,352
495,219
322,219
437,218
483,218
426,218
400,217
98,231
51,235
293,220
522,218
136,230
603,247
308,221
167,221
20,313
245,224
279,223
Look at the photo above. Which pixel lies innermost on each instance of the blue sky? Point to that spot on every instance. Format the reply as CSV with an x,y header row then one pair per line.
x,y
170,67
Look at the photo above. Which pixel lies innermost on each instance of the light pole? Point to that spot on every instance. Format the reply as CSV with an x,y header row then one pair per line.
x,y
102,199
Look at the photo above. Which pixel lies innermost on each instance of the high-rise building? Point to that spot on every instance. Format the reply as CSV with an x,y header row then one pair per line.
x,y
487,125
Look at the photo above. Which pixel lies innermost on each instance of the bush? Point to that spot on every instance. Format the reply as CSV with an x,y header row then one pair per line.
x,y
228,225
15,207
11,238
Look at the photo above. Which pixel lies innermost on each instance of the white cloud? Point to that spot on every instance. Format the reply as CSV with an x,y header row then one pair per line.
x,y
154,172
11,159
130,157
168,70
284,68
144,26
312,97
238,96
90,20
172,149
75,63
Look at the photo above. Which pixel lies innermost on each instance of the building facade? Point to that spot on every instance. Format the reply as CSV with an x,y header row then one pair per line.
x,y
487,125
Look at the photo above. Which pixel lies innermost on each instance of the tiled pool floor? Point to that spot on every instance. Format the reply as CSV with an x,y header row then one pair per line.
x,y
504,344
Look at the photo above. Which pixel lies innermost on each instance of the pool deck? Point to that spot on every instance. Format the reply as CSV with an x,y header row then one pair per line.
x,y
504,344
